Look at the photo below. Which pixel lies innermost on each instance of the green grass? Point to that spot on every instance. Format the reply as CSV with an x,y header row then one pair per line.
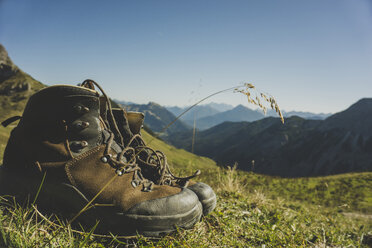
x,y
252,210
345,192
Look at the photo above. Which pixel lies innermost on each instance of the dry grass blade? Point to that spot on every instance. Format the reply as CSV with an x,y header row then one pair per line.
x,y
230,181
260,99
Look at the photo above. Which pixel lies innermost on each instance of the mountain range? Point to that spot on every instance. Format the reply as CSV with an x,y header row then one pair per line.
x,y
341,143
208,115
204,116
237,114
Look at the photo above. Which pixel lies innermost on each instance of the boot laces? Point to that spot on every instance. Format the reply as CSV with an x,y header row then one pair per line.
x,y
125,161
157,160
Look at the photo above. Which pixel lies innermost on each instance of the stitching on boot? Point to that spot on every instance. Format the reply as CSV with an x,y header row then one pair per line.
x,y
76,159
53,164
67,146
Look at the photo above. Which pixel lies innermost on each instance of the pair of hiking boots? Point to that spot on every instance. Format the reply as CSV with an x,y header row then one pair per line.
x,y
76,156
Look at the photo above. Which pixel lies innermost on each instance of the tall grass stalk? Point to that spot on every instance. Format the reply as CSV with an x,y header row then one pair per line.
x,y
193,134
230,180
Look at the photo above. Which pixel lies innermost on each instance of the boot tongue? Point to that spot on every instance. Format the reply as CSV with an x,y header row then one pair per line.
x,y
115,146
122,123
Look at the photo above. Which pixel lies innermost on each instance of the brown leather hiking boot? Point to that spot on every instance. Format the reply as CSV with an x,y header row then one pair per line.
x,y
63,144
154,164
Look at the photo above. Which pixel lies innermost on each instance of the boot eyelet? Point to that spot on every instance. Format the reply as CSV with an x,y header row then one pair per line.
x,y
84,124
120,172
134,183
79,109
146,189
84,143
106,158
77,146
81,125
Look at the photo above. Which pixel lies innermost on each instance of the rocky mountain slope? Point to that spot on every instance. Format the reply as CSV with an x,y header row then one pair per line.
x,y
341,143
15,87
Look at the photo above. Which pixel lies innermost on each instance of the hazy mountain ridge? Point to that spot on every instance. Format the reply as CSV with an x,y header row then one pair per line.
x,y
208,115
197,112
237,114
341,143
306,115
212,114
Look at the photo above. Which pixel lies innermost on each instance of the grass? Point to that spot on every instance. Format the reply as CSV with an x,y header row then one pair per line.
x,y
240,220
252,210
344,193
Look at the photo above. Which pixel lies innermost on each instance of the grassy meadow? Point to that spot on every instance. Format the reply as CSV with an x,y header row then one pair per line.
x,y
252,210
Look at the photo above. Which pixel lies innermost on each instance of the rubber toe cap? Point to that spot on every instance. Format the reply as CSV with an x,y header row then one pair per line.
x,y
165,215
206,196
171,205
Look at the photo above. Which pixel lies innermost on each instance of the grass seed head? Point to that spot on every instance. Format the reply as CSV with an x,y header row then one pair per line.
x,y
260,98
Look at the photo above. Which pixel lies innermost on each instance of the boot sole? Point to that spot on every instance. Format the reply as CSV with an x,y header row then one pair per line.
x,y
156,226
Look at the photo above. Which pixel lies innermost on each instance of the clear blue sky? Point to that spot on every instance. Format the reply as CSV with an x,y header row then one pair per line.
x,y
311,55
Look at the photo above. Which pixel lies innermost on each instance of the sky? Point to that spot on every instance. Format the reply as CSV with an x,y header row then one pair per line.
x,y
310,55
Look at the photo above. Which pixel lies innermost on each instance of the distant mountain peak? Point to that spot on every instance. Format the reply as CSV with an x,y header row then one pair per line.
x,y
357,118
362,103
154,104
241,107
356,110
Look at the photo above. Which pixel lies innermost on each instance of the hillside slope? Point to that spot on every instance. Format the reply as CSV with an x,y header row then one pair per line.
x,y
16,87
